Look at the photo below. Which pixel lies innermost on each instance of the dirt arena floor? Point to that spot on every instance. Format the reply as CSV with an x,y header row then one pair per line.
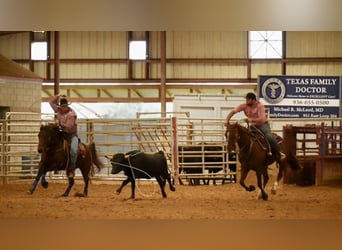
x,y
228,201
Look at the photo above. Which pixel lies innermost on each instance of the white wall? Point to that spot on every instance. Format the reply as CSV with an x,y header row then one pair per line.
x,y
207,106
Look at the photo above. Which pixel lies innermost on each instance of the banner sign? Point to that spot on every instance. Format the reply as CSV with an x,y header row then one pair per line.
x,y
301,96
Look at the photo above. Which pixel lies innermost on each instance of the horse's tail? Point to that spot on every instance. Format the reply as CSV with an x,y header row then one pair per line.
x,y
95,159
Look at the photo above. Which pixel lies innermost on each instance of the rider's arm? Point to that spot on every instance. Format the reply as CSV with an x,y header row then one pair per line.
x,y
54,103
230,115
237,109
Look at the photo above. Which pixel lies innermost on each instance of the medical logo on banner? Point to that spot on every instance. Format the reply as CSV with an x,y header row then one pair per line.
x,y
301,96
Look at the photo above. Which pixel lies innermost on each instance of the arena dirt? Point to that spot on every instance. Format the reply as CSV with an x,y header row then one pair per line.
x,y
228,201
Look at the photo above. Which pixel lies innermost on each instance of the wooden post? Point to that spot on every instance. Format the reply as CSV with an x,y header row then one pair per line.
x,y
162,92
175,149
56,64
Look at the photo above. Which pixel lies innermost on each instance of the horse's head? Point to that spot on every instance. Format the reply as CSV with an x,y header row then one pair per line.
x,y
232,136
236,134
48,137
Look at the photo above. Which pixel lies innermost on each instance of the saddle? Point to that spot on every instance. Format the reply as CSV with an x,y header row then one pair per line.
x,y
259,137
82,150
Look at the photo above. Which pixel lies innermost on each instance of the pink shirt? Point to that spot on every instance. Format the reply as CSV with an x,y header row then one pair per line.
x,y
257,110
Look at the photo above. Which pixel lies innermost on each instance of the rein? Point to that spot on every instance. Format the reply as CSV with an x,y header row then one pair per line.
x,y
245,147
248,146
254,135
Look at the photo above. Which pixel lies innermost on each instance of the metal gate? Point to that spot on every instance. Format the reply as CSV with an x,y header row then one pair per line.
x,y
318,147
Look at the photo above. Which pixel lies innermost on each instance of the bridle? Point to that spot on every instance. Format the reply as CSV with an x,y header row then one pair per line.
x,y
244,148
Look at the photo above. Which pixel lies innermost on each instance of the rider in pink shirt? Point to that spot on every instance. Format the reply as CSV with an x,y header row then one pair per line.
x,y
256,116
66,118
255,112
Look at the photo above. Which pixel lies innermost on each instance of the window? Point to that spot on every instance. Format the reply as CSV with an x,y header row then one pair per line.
x,y
39,51
265,44
137,50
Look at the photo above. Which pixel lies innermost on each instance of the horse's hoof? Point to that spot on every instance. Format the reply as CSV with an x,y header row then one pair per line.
x,y
29,192
251,188
264,196
45,184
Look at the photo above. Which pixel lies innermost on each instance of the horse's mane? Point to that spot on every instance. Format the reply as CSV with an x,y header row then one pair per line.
x,y
239,127
251,131
52,129
244,129
49,125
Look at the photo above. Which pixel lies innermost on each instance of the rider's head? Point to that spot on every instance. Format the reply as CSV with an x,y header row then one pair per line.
x,y
250,98
63,103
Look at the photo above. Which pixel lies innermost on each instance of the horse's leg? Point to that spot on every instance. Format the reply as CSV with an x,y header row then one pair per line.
x,y
71,180
262,179
244,172
85,174
86,185
36,181
279,177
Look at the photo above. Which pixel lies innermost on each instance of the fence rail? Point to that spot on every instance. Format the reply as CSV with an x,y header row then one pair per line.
x,y
195,147
19,139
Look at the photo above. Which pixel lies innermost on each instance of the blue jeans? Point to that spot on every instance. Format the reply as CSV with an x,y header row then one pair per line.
x,y
73,151
266,130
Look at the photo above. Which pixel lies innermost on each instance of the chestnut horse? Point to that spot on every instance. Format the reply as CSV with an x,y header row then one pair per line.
x,y
55,156
253,155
